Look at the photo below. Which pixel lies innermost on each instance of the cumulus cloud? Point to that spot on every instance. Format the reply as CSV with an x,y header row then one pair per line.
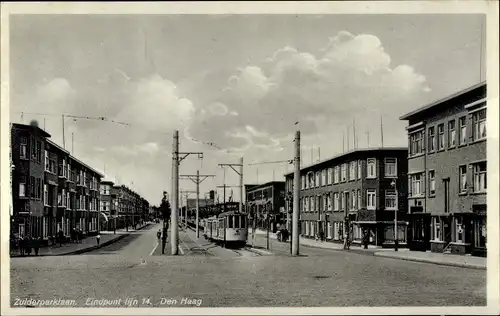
x,y
262,102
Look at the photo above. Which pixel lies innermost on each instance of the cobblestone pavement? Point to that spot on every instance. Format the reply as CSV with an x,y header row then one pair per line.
x,y
132,268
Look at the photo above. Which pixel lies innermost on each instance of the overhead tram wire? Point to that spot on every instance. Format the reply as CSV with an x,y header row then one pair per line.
x,y
99,118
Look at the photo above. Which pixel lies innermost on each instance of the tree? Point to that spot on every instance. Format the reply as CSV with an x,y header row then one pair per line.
x,y
165,209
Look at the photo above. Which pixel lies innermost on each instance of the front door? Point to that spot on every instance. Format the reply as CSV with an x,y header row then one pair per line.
x,y
446,230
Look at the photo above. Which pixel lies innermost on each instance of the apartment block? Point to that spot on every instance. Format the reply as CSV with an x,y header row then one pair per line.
x,y
447,173
365,186
267,200
51,189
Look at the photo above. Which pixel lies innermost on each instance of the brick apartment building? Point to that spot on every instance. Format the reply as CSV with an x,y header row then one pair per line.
x,y
366,185
447,173
127,207
266,199
51,189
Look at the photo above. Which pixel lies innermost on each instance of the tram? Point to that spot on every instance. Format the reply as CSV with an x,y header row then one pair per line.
x,y
228,229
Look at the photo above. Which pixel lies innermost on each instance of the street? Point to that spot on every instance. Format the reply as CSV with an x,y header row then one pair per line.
x,y
135,268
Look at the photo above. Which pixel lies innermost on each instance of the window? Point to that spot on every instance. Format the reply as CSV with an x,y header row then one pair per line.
x,y
391,200
39,188
22,186
344,172
391,167
479,124
432,139
47,163
307,228
440,136
39,151
336,175
33,149
313,203
463,178
23,147
452,134
325,203
318,179
371,168
416,184
343,201
371,196
463,130
359,169
432,183
45,195
302,183
436,226
324,177
329,231
480,177
311,180
416,143
306,204
336,201
329,201
354,199
352,170
330,175
359,199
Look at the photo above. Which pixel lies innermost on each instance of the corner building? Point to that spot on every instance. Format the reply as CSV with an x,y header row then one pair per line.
x,y
447,174
366,185
51,189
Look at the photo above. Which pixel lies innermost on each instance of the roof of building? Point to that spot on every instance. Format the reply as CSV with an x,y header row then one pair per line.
x,y
24,126
57,146
443,100
107,182
358,150
263,185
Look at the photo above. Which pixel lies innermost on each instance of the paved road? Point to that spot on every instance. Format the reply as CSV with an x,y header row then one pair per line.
x,y
133,268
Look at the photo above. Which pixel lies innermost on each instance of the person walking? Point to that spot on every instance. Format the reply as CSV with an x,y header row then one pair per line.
x,y
22,245
61,237
98,238
28,245
36,245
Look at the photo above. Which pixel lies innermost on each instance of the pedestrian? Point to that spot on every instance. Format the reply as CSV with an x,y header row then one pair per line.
x,y
98,238
365,238
158,235
28,245
22,245
80,235
61,237
163,241
36,245
73,235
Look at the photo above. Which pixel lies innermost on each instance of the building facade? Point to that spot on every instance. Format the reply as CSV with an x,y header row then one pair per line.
x,y
129,207
365,186
266,201
51,189
447,173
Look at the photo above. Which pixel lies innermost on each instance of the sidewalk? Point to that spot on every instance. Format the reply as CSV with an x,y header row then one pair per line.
x,y
87,244
402,254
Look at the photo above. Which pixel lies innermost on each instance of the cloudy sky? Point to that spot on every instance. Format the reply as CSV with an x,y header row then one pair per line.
x,y
238,82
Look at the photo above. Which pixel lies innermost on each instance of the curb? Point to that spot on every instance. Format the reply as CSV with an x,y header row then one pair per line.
x,y
382,255
80,251
449,264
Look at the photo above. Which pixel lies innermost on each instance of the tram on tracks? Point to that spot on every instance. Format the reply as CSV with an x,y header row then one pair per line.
x,y
229,229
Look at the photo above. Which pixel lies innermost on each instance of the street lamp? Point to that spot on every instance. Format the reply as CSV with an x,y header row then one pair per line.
x,y
393,184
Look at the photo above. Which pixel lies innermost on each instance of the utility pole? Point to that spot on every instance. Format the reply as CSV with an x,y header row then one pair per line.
x,y
185,195
396,241
296,197
197,180
177,158
240,173
64,138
